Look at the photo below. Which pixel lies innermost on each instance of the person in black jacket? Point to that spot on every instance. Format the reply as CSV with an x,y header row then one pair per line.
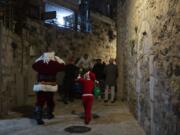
x,y
98,69
110,80
71,72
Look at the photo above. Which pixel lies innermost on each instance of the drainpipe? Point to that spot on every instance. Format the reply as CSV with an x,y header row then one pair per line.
x,y
0,62
0,54
121,32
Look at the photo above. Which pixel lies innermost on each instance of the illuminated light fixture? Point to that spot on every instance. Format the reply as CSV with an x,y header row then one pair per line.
x,y
61,13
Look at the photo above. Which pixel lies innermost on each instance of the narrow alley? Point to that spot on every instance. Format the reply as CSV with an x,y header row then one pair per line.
x,y
118,58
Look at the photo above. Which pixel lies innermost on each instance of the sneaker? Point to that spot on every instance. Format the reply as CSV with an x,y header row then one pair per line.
x,y
113,101
86,123
71,100
105,101
50,116
40,122
65,102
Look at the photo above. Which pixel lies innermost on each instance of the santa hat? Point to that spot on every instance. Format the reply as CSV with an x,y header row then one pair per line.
x,y
89,76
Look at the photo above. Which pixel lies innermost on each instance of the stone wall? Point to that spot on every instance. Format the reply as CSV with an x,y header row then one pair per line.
x,y
101,43
19,51
148,36
12,71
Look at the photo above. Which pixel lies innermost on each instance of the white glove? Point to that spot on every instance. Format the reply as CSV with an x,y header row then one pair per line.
x,y
96,81
46,58
59,60
79,76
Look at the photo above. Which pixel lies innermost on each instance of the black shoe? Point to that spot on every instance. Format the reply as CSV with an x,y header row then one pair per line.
x,y
105,101
49,112
50,116
65,102
113,101
71,100
38,115
59,100
40,122
86,123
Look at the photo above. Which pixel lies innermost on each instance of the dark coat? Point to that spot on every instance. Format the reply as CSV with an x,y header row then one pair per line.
x,y
98,69
110,72
71,72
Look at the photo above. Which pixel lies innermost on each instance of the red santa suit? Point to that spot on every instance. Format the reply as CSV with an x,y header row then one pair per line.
x,y
46,67
87,94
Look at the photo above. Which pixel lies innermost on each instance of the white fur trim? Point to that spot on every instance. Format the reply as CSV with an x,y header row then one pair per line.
x,y
46,57
45,88
59,60
40,58
87,94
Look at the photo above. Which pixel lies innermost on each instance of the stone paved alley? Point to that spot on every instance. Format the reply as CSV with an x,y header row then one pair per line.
x,y
114,119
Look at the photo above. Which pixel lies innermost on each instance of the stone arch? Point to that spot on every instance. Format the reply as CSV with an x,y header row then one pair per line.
x,y
145,82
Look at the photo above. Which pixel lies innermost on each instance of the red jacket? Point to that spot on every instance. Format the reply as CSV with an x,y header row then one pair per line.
x,y
47,72
51,68
88,85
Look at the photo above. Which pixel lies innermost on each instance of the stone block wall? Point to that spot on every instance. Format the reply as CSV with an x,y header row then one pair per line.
x,y
12,71
100,43
18,52
148,41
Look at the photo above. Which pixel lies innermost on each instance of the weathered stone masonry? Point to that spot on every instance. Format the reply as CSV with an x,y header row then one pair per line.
x,y
150,50
19,51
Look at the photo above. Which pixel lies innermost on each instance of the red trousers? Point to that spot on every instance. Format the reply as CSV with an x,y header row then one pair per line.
x,y
45,98
87,102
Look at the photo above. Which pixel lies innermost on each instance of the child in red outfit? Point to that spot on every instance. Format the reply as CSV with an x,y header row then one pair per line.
x,y
87,94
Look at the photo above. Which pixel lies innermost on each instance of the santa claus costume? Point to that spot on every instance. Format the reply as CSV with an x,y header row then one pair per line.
x,y
87,94
46,67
